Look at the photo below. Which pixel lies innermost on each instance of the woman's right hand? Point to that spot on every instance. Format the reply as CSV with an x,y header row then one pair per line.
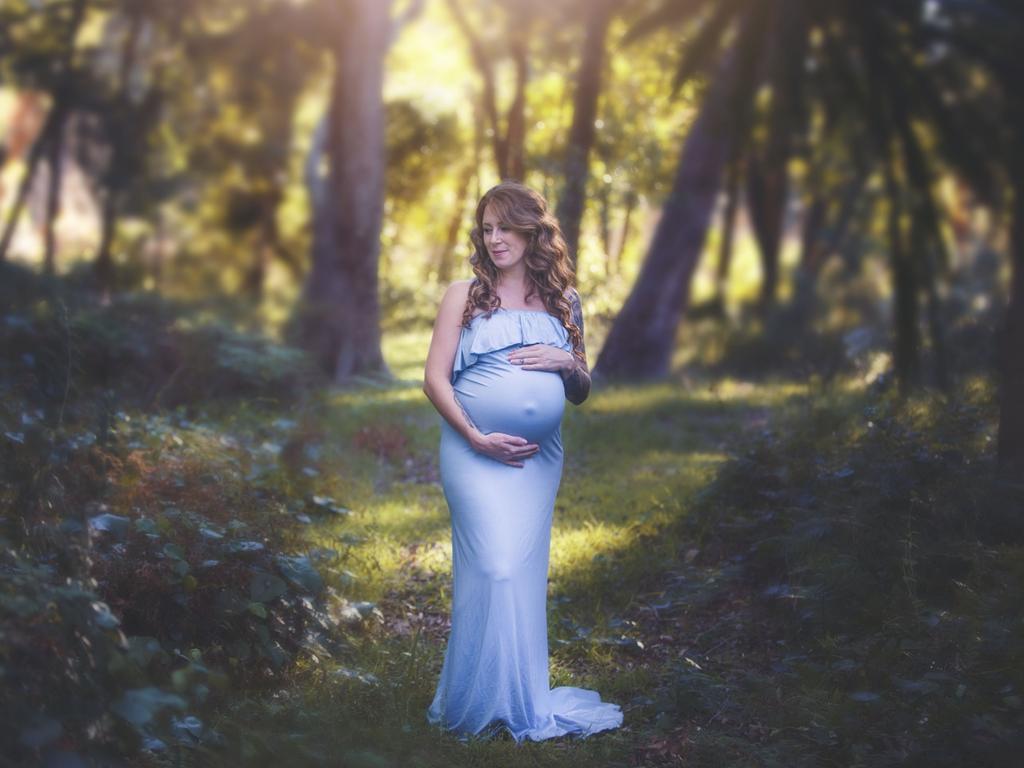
x,y
508,449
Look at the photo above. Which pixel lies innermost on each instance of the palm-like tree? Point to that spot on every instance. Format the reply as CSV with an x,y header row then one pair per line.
x,y
989,33
774,69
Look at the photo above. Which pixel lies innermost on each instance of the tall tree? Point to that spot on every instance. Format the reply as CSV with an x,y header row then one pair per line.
x,y
508,135
872,62
339,315
581,134
61,84
641,340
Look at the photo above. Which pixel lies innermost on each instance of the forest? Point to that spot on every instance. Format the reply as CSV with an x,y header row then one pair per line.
x,y
790,527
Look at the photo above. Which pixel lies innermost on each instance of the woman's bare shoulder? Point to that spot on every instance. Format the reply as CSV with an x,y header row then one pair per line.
x,y
458,289
457,293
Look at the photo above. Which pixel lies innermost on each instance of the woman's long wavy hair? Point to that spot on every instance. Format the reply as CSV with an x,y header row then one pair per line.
x,y
548,270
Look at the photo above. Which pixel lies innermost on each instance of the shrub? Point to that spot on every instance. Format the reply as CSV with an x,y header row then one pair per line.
x,y
880,553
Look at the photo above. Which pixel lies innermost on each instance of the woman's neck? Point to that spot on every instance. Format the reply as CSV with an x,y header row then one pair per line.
x,y
513,284
515,292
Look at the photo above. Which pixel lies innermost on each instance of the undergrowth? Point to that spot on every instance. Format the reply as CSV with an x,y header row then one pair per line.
x,y
875,557
209,560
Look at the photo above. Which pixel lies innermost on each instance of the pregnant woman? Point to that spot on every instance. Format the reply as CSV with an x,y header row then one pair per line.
x,y
506,352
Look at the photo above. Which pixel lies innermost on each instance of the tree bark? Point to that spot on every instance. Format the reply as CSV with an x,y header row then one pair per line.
x,y
604,196
907,347
56,166
1011,352
732,200
446,256
53,128
103,269
121,167
643,336
770,175
340,313
515,141
581,134
53,119
615,259
508,143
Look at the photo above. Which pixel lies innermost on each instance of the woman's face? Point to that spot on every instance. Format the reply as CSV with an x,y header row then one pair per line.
x,y
506,247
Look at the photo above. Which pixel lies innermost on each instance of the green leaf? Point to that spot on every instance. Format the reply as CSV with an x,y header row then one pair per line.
x,y
300,571
139,705
146,525
104,618
864,696
116,525
265,587
174,551
40,733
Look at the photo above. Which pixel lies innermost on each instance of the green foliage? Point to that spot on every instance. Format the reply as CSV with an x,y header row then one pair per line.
x,y
147,351
70,675
876,548
144,564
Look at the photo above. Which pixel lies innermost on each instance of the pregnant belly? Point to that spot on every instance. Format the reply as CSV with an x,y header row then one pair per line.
x,y
500,397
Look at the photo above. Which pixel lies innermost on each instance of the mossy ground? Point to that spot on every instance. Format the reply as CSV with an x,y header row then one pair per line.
x,y
723,566
635,458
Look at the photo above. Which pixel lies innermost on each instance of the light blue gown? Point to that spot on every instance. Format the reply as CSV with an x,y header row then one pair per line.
x,y
495,671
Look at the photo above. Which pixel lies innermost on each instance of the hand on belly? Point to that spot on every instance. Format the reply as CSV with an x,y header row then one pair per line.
x,y
528,404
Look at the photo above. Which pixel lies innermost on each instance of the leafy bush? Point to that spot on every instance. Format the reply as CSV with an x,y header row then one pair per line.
x,y
140,350
72,681
194,584
880,553
148,558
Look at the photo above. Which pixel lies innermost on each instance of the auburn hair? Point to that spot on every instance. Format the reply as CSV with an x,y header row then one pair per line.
x,y
548,270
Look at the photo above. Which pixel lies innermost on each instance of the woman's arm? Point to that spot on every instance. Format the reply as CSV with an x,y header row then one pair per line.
x,y
437,386
576,376
572,366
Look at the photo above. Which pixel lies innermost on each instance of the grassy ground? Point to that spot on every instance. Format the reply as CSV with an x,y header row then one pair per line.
x,y
635,458
759,574
763,574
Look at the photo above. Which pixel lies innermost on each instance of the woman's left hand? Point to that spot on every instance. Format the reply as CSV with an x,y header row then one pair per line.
x,y
541,357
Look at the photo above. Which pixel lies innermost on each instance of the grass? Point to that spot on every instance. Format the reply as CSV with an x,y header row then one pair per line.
x,y
635,458
713,570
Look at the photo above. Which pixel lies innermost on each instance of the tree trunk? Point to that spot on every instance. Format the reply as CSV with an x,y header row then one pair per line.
x,y
40,145
515,141
120,168
812,252
924,256
340,313
103,269
615,260
906,351
786,63
581,134
508,143
1011,352
766,197
55,155
446,256
53,128
643,335
604,196
732,200
488,98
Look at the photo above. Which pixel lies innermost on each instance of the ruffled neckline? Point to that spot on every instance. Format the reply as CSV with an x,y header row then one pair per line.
x,y
506,309
507,328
